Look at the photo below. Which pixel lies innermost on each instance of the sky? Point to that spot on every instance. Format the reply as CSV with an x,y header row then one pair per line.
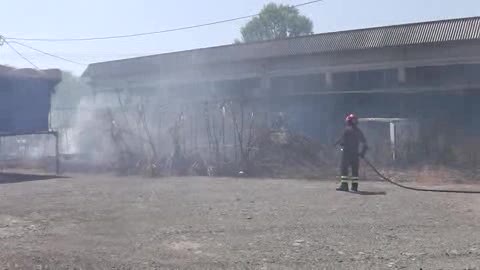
x,y
87,18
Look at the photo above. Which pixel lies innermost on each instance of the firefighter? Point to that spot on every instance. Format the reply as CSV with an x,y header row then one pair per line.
x,y
350,142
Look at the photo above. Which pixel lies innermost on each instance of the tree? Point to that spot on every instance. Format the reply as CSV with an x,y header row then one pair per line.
x,y
276,22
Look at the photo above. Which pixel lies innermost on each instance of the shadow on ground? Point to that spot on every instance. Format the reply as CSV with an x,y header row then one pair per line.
x,y
11,178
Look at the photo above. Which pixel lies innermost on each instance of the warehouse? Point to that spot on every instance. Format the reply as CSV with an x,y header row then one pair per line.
x,y
426,72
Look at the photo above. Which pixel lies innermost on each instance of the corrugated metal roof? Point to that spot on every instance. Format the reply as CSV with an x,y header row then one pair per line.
x,y
28,73
379,37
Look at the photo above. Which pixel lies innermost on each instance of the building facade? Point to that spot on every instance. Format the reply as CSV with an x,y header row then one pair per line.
x,y
428,72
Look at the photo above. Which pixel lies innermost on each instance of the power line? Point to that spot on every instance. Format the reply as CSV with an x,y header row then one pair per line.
x,y
20,54
46,53
150,33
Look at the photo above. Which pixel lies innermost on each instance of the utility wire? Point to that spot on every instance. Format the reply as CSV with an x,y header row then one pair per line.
x,y
20,54
46,53
150,33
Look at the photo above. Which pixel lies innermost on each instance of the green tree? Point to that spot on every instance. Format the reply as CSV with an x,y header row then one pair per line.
x,y
276,22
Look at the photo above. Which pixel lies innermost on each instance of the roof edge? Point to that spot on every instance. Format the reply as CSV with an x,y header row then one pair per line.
x,y
290,38
54,75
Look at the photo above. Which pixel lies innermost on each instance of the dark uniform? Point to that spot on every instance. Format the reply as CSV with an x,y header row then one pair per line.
x,y
350,141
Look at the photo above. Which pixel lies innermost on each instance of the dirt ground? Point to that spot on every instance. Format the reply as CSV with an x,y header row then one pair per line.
x,y
104,222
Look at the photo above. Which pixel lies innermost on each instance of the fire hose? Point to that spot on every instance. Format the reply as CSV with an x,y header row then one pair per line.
x,y
414,188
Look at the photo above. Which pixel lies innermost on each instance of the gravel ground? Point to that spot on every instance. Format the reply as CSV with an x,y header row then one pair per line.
x,y
103,222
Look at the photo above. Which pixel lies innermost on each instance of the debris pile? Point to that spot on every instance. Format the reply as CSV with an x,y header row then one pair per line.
x,y
284,154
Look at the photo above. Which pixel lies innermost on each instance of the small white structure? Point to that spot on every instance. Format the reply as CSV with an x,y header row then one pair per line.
x,y
399,131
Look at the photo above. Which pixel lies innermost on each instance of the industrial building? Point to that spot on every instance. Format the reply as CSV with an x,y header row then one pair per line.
x,y
425,72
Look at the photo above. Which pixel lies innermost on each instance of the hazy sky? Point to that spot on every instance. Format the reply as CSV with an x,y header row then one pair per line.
x,y
75,18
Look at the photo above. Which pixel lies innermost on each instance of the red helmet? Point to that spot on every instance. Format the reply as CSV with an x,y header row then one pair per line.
x,y
351,119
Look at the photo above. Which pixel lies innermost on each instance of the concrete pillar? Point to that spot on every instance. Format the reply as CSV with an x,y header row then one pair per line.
x,y
265,85
266,82
57,153
393,143
212,88
402,75
329,80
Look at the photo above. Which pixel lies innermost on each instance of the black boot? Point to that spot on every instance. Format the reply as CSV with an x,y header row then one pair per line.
x,y
343,187
354,187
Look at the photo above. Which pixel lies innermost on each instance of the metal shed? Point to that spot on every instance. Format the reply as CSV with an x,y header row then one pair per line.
x,y
25,96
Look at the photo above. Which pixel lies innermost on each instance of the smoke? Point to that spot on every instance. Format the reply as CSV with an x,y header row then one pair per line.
x,y
88,133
